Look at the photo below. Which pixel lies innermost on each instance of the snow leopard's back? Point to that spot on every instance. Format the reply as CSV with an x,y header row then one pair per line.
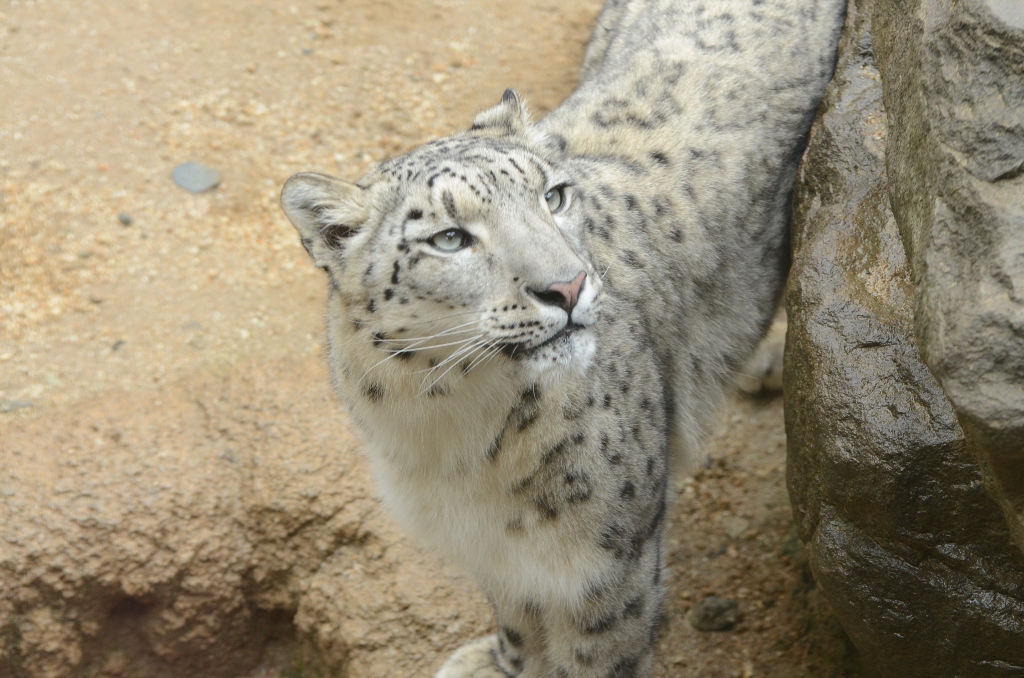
x,y
694,114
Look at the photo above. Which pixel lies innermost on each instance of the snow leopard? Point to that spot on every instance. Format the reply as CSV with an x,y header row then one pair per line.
x,y
532,322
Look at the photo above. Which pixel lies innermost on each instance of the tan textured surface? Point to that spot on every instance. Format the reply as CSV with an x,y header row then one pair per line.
x,y
183,498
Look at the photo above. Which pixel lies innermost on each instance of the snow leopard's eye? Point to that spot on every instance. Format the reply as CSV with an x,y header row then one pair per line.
x,y
451,240
555,199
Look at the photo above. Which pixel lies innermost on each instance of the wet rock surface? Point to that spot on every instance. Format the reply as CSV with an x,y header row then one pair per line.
x,y
903,536
953,84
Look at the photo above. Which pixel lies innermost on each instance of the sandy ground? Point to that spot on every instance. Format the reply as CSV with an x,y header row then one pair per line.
x,y
101,99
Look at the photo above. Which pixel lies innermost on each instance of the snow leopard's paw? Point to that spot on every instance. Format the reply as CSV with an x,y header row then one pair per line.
x,y
476,659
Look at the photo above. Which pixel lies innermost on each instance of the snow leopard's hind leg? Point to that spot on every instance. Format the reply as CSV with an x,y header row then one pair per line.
x,y
762,373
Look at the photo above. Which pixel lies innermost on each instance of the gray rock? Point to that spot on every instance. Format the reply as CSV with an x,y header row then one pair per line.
x,y
196,177
953,82
12,405
714,614
902,537
125,219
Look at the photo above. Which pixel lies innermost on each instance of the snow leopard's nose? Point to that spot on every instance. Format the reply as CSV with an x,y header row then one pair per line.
x,y
564,295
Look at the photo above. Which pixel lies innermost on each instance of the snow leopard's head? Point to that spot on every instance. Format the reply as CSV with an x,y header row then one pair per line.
x,y
464,251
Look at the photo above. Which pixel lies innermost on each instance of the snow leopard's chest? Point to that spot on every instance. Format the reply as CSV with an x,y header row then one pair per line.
x,y
544,489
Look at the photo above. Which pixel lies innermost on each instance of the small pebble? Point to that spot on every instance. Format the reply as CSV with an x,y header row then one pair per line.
x,y
11,405
117,345
736,527
714,614
125,219
195,177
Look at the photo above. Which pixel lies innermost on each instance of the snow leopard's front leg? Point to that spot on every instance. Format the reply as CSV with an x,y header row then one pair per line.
x,y
516,650
609,634
477,659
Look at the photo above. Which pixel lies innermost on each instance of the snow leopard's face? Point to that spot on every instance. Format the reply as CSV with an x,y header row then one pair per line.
x,y
465,251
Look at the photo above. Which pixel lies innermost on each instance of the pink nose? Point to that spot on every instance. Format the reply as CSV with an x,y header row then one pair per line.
x,y
569,293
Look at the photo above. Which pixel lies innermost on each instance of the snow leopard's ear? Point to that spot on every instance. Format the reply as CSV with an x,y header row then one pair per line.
x,y
325,211
509,117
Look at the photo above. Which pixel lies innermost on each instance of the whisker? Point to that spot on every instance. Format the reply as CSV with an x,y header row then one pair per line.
x,y
442,318
487,345
458,355
479,345
497,351
432,336
395,354
454,356
377,364
430,346
483,356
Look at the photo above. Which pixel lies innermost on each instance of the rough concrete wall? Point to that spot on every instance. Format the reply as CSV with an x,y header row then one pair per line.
x,y
196,543
903,537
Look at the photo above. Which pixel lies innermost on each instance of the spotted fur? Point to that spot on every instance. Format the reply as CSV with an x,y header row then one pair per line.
x,y
531,322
